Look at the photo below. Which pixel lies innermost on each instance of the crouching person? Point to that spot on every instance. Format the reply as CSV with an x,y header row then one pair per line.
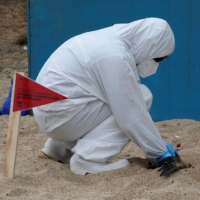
x,y
107,106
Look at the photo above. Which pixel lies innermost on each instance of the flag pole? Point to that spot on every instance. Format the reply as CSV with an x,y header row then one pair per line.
x,y
12,137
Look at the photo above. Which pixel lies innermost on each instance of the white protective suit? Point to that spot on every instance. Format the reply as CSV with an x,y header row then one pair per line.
x,y
106,105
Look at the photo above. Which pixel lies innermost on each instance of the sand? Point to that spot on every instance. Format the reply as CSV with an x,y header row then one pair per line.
x,y
37,177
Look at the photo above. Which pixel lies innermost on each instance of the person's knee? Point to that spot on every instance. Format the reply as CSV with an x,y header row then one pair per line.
x,y
147,95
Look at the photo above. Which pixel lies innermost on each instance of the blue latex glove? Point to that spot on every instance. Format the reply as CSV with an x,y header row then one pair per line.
x,y
165,155
171,149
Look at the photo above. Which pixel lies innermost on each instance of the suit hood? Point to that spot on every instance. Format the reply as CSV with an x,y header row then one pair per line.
x,y
147,38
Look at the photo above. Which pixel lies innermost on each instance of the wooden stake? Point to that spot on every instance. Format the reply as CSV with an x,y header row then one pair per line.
x,y
12,137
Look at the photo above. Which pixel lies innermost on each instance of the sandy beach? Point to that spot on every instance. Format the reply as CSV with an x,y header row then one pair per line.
x,y
38,177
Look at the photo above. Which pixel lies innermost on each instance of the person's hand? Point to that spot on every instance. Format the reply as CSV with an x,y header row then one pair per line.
x,y
171,149
171,163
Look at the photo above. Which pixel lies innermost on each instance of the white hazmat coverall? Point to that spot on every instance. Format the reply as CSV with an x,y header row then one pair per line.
x,y
106,106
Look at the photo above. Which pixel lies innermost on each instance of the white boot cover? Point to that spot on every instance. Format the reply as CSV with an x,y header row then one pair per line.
x,y
81,166
57,151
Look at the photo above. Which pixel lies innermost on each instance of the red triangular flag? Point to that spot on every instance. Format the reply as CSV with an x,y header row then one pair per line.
x,y
29,94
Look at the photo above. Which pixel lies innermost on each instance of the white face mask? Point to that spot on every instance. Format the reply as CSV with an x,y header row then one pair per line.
x,y
147,68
